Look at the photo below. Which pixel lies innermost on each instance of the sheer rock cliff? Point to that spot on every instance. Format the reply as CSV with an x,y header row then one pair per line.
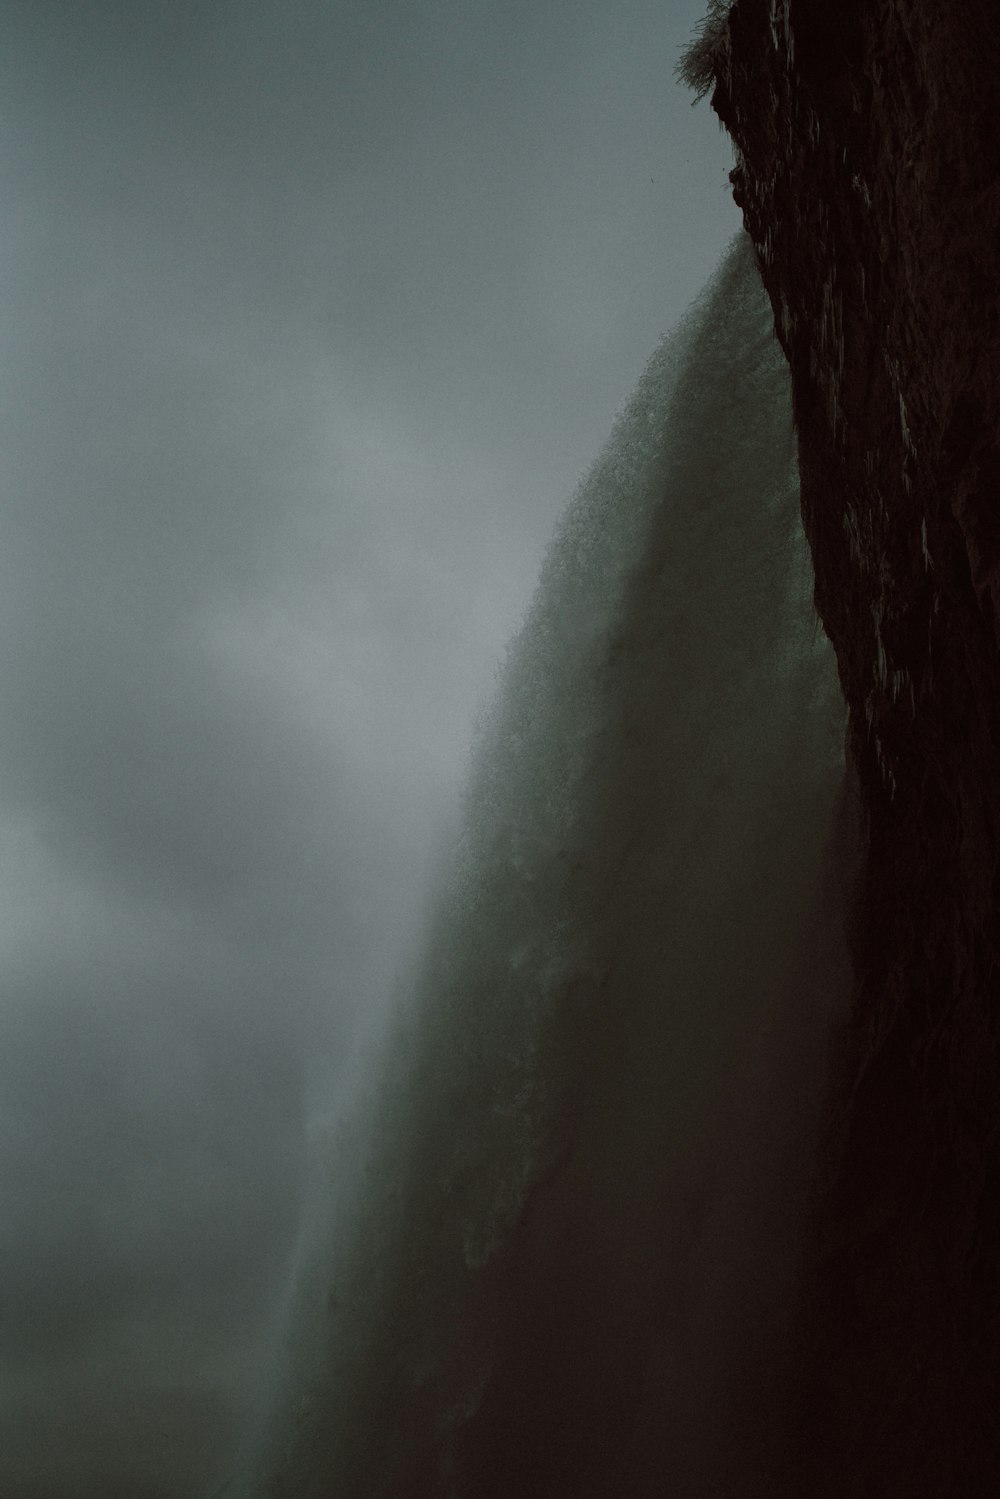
x,y
868,173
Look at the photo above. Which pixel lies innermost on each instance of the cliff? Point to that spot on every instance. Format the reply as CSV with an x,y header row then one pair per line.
x,y
868,173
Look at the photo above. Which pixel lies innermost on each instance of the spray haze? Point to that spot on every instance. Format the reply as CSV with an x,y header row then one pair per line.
x,y
568,1257
311,316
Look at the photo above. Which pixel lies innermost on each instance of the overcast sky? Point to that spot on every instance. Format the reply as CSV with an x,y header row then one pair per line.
x,y
313,314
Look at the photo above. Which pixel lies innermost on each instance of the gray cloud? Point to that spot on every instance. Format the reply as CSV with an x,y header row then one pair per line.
x,y
312,316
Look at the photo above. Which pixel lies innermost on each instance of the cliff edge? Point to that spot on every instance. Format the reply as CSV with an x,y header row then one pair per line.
x,y
868,173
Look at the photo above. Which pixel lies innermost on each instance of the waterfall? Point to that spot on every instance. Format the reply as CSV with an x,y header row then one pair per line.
x,y
555,1248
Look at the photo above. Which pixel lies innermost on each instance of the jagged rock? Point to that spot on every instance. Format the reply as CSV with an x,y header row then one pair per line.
x,y
868,172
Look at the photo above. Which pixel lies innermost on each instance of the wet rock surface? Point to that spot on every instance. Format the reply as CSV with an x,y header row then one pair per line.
x,y
868,173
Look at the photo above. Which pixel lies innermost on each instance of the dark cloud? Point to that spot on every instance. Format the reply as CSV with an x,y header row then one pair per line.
x,y
312,316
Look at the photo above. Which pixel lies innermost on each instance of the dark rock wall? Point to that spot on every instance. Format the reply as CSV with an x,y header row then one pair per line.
x,y
868,150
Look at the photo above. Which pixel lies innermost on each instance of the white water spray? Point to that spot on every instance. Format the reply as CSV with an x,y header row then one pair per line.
x,y
559,1257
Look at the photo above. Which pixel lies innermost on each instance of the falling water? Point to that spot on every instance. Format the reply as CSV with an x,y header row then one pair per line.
x,y
555,1253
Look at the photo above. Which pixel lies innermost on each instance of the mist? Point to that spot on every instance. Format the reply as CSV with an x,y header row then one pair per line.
x,y
559,1248
313,316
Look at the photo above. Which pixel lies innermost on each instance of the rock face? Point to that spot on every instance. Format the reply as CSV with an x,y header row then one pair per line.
x,y
868,172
